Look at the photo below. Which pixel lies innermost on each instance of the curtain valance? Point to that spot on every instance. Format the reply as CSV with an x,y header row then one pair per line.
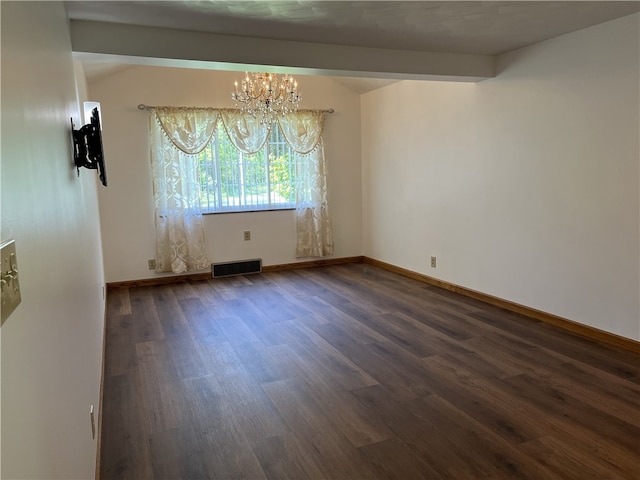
x,y
190,129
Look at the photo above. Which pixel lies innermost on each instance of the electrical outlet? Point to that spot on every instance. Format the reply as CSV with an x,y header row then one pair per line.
x,y
247,235
152,263
433,262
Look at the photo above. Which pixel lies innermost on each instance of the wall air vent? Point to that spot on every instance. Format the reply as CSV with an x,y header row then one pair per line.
x,y
242,267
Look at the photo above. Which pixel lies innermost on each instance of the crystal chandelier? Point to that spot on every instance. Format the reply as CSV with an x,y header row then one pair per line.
x,y
266,95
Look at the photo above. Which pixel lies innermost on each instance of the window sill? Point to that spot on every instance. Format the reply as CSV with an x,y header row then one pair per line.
x,y
224,212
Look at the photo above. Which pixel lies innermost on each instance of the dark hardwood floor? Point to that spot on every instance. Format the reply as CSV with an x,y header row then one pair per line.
x,y
354,372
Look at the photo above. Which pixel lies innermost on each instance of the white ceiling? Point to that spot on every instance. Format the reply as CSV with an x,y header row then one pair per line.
x,y
472,27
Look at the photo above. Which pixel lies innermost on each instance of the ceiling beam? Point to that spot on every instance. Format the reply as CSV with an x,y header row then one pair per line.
x,y
190,49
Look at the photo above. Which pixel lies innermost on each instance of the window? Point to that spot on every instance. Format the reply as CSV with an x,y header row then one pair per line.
x,y
232,181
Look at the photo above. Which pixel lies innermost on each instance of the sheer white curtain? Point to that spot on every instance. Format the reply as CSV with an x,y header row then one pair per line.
x,y
176,136
245,131
179,134
304,131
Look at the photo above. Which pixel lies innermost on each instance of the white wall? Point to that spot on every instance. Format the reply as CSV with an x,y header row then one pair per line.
x,y
524,186
126,206
52,343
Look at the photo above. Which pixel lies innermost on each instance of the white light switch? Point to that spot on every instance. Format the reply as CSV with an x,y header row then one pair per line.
x,y
9,282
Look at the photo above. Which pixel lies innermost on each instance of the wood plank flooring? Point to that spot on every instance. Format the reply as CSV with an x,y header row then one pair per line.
x,y
354,372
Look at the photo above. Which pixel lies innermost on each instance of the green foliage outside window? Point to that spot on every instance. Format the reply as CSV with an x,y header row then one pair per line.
x,y
231,180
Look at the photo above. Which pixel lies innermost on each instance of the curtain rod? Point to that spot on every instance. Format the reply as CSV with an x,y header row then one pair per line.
x,y
142,106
